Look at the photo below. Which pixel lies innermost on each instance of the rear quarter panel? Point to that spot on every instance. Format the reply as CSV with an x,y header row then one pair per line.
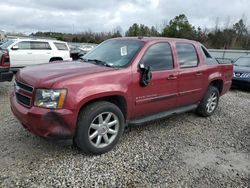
x,y
222,72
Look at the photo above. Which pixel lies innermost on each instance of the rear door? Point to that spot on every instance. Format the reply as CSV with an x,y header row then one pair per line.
x,y
161,93
191,74
41,51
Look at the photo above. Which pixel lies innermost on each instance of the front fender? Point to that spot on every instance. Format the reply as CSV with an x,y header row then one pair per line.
x,y
92,93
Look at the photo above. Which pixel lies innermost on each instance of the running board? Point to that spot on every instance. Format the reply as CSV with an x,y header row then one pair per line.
x,y
164,114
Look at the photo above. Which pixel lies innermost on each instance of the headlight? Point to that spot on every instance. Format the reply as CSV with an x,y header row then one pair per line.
x,y
50,98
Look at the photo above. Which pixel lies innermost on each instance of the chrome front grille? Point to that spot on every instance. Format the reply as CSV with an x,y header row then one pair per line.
x,y
25,87
23,93
23,99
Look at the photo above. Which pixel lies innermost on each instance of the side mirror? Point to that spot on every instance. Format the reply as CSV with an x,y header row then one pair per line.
x,y
15,47
146,75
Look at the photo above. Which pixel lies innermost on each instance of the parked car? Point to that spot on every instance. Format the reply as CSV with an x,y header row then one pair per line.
x,y
121,82
86,48
79,51
241,76
5,73
27,52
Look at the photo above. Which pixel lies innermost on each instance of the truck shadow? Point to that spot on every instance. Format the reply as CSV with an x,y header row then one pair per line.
x,y
29,143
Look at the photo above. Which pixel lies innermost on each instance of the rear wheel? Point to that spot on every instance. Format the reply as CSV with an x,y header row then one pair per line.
x,y
209,103
99,127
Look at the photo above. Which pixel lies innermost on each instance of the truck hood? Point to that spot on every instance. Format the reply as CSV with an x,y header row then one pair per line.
x,y
47,74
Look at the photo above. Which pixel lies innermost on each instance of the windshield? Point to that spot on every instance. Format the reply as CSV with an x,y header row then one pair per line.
x,y
243,62
115,53
5,45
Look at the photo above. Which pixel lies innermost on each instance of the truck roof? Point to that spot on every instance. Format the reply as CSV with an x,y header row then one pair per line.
x,y
152,39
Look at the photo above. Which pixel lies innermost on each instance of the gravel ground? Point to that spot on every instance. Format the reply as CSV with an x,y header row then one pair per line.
x,y
181,151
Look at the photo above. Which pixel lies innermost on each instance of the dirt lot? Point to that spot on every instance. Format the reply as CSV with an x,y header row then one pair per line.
x,y
181,151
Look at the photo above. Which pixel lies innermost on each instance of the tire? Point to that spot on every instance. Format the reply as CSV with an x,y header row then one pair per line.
x,y
99,128
209,103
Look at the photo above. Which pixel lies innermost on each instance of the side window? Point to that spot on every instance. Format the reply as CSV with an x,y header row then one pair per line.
x,y
25,45
205,52
40,46
159,57
187,55
209,60
61,46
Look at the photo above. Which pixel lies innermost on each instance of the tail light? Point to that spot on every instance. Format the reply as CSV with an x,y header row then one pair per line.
x,y
5,62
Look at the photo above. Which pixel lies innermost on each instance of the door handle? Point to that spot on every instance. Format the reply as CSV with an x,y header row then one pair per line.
x,y
172,77
198,73
29,53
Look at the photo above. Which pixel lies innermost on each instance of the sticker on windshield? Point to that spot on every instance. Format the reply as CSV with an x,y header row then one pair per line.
x,y
124,51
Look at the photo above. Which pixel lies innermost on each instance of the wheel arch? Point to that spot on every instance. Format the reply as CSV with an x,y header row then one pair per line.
x,y
218,83
119,100
55,59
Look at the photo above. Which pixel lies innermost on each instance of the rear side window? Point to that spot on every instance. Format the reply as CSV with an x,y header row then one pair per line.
x,y
209,60
61,46
205,52
159,57
187,55
40,46
25,45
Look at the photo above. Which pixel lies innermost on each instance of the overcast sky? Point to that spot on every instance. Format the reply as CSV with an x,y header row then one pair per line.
x,y
105,15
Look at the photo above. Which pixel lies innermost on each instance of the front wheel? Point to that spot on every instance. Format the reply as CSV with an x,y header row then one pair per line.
x,y
209,103
99,127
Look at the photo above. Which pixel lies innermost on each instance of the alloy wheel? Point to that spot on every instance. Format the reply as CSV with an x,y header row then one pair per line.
x,y
103,129
212,102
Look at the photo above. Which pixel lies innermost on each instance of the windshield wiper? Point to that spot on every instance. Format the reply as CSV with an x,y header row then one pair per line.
x,y
83,59
98,62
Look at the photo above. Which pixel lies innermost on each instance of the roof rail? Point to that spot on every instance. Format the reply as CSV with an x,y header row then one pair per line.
x,y
29,37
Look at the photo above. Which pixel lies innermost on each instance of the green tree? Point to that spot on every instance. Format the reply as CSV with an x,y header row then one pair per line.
x,y
153,31
141,30
200,35
75,39
179,27
235,37
228,38
240,28
133,30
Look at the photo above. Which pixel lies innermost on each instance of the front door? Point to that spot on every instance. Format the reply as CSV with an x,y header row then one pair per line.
x,y
22,56
161,92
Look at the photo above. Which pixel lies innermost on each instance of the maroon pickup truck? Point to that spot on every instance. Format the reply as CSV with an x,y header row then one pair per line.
x,y
121,82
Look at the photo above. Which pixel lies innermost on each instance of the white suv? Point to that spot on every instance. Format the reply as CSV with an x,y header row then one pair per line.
x,y
26,52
